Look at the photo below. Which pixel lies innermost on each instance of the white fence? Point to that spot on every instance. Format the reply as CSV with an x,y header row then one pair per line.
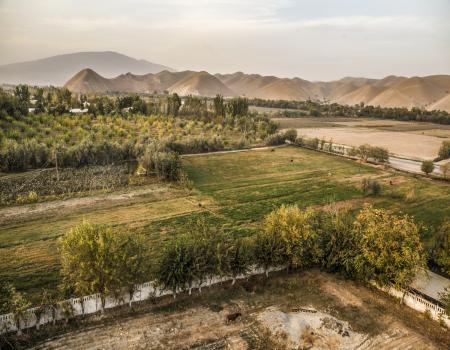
x,y
91,304
420,304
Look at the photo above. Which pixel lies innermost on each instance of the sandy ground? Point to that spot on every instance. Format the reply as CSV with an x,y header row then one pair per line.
x,y
202,325
405,144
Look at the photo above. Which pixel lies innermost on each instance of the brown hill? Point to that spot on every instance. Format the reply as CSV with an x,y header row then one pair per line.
x,y
200,84
89,81
391,91
443,104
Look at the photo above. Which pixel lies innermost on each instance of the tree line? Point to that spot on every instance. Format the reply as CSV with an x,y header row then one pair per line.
x,y
323,109
372,245
25,143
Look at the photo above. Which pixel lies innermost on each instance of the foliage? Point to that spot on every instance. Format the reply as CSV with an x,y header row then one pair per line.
x,y
389,250
444,151
427,166
323,109
296,232
91,260
15,302
441,250
290,135
366,152
338,240
445,300
370,187
237,106
240,257
134,263
176,268
166,165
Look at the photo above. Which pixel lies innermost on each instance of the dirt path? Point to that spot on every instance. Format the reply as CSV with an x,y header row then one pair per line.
x,y
32,210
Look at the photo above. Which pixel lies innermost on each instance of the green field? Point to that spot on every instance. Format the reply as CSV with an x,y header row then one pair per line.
x,y
234,190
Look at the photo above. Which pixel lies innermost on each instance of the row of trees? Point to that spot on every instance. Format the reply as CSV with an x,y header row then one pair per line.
x,y
373,245
366,152
376,245
323,109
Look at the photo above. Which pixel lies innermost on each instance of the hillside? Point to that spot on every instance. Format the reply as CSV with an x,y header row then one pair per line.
x,y
56,70
200,84
392,91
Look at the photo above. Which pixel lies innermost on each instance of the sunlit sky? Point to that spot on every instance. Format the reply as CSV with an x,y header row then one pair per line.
x,y
316,39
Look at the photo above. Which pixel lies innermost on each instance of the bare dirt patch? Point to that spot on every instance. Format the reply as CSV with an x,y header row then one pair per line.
x,y
400,143
310,309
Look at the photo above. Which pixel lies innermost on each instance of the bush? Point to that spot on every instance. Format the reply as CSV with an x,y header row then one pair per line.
x,y
165,165
275,140
312,143
427,166
290,135
444,151
370,187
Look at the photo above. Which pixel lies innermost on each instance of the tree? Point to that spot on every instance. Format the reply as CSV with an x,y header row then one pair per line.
x,y
389,250
444,151
239,258
444,298
219,106
427,166
22,93
133,262
47,303
290,135
173,105
297,231
338,240
91,260
441,249
210,248
268,251
238,106
16,303
176,267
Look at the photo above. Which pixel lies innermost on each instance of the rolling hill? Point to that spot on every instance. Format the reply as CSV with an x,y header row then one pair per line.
x,y
56,70
430,92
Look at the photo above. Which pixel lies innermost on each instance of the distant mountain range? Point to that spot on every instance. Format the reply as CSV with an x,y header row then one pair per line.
x,y
56,70
431,92
104,72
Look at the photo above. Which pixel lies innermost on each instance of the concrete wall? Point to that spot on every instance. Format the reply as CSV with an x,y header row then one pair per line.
x,y
92,303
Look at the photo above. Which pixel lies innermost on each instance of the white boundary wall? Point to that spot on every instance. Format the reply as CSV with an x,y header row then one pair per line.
x,y
91,304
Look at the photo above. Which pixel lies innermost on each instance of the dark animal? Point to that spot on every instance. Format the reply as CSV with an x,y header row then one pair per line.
x,y
233,317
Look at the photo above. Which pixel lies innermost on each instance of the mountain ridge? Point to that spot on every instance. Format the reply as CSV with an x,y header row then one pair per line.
x,y
55,70
392,91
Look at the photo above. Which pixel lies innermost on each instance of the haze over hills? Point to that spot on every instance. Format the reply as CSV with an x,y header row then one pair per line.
x,y
432,92
56,70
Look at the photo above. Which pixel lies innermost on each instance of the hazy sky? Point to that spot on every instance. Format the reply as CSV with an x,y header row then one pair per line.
x,y
316,39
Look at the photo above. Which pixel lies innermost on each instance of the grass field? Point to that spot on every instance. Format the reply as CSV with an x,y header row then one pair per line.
x,y
234,190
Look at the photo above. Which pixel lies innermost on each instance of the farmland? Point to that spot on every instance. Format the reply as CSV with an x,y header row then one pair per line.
x,y
234,190
415,140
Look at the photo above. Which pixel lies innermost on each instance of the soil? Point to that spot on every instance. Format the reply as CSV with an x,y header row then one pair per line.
x,y
401,143
310,309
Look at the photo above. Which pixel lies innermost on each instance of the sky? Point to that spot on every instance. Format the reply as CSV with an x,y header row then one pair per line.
x,y
314,40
